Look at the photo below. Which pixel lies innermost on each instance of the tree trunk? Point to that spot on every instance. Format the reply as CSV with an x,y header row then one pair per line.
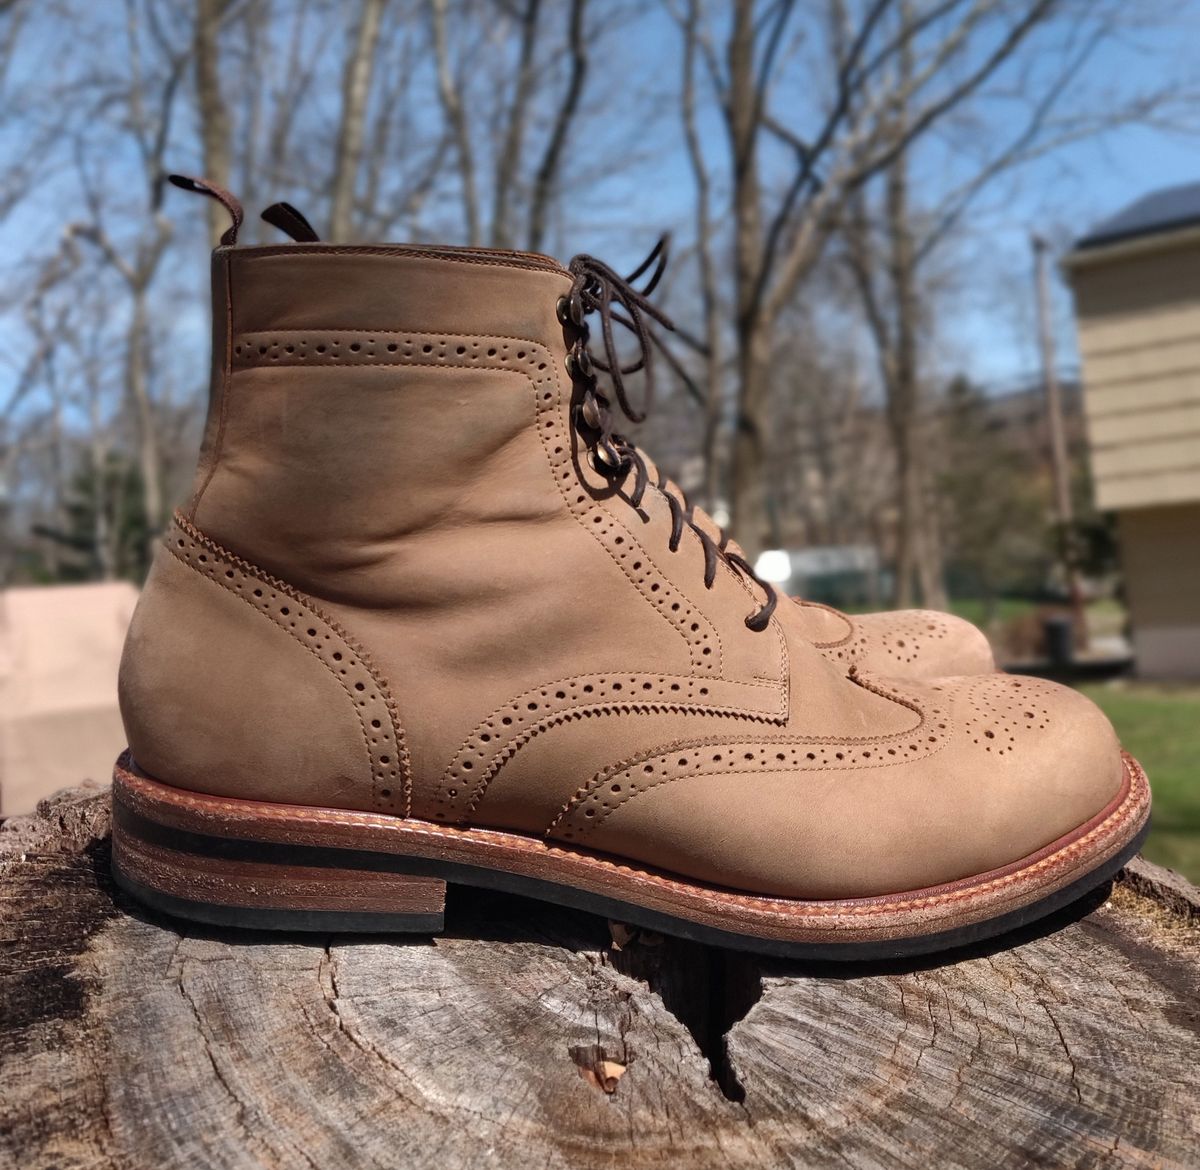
x,y
710,305
451,97
748,513
749,519
508,163
931,561
137,385
549,169
356,88
523,1036
211,112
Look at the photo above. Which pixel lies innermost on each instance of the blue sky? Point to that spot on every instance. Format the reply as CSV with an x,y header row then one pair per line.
x,y
985,323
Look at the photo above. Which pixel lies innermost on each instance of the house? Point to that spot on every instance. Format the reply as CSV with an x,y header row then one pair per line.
x,y
1136,280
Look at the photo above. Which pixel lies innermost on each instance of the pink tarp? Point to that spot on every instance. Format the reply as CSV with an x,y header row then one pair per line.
x,y
59,650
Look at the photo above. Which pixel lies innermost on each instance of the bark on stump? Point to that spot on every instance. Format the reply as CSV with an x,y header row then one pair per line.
x,y
523,1037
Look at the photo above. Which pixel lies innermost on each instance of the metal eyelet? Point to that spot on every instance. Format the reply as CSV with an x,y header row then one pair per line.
x,y
604,452
590,409
579,364
562,310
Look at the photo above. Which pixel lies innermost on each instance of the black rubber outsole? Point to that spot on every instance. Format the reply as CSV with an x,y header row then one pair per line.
x,y
339,922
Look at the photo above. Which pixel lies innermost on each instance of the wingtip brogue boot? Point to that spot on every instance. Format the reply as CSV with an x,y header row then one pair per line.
x,y
425,620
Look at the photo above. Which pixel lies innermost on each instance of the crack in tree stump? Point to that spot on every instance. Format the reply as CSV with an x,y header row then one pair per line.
x,y
525,1035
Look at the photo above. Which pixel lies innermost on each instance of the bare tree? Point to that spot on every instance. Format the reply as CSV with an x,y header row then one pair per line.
x,y
710,303
886,73
450,90
210,106
549,167
356,88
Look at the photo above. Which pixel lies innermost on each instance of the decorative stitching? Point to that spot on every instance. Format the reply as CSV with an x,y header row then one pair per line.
x,y
590,805
226,380
476,748
457,794
387,751
525,262
850,623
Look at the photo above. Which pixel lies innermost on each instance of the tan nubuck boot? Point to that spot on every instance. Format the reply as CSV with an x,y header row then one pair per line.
x,y
423,620
907,643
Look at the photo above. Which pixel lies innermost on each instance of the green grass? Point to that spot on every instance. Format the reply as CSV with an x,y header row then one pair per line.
x,y
1160,725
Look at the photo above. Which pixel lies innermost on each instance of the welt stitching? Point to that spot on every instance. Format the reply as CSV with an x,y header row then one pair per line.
x,y
1122,813
362,726
404,760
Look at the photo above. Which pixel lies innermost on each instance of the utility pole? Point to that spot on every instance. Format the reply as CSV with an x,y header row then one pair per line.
x,y
1059,464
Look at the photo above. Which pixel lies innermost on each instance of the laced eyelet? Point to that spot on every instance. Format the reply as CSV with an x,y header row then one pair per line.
x,y
570,310
605,458
596,288
590,409
579,364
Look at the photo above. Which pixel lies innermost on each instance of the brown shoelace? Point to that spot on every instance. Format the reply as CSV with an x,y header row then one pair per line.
x,y
598,289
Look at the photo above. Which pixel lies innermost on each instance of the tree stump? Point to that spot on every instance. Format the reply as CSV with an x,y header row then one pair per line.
x,y
528,1035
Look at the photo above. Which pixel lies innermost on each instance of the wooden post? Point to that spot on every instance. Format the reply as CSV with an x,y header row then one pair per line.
x,y
524,1037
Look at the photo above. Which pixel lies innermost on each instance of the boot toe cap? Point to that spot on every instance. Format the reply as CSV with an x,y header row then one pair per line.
x,y
920,643
999,769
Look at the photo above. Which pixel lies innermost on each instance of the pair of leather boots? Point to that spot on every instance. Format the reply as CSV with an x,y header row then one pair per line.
x,y
427,618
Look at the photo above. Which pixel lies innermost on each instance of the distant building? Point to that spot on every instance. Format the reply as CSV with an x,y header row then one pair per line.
x,y
1136,279
59,723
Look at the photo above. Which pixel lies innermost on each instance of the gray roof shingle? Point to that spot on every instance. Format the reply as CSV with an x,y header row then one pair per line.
x,y
1160,211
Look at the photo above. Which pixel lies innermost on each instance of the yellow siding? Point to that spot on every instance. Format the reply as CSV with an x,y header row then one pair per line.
x,y
1160,551
1160,555
1149,426
1138,316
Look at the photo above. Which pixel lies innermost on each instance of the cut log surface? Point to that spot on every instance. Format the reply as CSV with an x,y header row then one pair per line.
x,y
532,1036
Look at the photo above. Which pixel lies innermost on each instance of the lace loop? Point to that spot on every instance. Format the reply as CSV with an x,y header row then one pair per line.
x,y
597,289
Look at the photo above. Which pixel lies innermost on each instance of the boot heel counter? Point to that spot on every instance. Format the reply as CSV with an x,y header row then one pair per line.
x,y
233,684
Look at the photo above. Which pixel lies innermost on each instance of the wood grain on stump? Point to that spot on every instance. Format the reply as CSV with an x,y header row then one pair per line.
x,y
523,1036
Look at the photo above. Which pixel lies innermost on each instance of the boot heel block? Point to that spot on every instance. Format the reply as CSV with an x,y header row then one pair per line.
x,y
267,885
246,863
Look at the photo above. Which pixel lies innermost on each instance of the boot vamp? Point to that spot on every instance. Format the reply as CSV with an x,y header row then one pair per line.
x,y
993,769
907,643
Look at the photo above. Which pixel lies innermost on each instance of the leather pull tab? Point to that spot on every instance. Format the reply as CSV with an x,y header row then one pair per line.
x,y
223,197
289,221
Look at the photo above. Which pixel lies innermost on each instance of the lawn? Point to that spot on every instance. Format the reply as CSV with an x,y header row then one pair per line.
x,y
1160,725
